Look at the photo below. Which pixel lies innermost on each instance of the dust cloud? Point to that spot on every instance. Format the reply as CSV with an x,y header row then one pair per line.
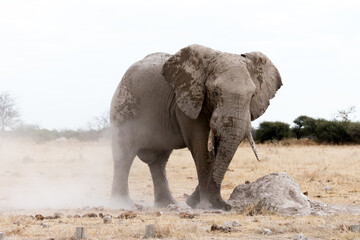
x,y
56,174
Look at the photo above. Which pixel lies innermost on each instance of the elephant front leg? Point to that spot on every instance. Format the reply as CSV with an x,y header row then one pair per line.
x,y
207,194
196,135
211,198
194,199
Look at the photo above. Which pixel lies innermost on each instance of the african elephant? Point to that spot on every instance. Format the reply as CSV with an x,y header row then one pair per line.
x,y
198,98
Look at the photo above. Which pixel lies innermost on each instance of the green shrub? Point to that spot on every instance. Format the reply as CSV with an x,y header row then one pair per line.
x,y
354,131
332,131
272,131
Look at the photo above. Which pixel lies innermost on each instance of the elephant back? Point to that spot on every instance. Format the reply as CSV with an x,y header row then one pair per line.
x,y
138,87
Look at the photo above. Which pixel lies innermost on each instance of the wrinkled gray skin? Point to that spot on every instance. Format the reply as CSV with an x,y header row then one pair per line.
x,y
199,98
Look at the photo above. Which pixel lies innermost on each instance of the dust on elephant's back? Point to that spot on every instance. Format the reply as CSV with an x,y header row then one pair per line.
x,y
124,105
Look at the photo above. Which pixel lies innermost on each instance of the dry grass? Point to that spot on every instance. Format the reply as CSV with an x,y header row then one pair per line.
x,y
65,176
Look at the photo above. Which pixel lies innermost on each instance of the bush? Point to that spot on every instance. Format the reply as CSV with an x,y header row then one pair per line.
x,y
324,131
354,131
332,131
86,135
304,127
272,131
34,132
42,135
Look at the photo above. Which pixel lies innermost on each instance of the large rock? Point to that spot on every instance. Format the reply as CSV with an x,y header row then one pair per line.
x,y
277,192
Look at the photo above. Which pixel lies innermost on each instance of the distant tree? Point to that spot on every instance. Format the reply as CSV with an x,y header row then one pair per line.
x,y
344,115
304,127
9,113
272,131
100,122
97,128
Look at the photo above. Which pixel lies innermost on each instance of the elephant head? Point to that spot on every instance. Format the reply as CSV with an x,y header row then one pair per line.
x,y
234,89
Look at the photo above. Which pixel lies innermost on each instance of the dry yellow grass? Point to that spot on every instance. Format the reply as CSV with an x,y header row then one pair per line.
x,y
65,176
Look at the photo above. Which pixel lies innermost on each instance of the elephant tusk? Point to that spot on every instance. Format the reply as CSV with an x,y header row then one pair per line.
x,y
211,142
253,146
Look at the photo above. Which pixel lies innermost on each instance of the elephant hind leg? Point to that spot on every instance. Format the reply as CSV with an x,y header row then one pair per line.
x,y
157,161
123,156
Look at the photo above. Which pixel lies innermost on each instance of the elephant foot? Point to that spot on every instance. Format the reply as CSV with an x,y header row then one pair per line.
x,y
164,202
121,202
218,203
193,200
214,203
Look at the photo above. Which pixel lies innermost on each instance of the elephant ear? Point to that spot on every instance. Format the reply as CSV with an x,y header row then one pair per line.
x,y
267,80
185,72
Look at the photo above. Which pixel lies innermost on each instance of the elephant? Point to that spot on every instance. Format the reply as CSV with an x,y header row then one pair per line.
x,y
199,98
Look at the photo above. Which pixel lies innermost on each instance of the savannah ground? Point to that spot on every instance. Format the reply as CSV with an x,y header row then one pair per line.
x,y
74,178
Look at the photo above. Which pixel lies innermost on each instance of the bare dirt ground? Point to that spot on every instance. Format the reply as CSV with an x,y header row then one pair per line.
x,y
65,181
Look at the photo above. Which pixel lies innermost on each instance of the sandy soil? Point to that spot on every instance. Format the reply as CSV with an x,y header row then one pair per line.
x,y
71,179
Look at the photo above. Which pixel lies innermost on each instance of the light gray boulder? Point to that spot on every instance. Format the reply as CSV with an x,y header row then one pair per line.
x,y
277,192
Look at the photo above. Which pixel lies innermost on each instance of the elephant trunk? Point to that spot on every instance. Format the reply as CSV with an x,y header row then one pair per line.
x,y
211,142
225,135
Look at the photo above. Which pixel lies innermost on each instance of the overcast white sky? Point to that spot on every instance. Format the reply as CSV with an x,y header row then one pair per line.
x,y
63,59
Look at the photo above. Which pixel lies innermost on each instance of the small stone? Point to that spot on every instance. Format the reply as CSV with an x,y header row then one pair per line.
x,y
150,231
355,228
267,231
158,213
227,224
2,236
328,188
172,207
128,215
300,236
80,233
45,225
90,215
77,216
214,227
247,182
39,217
187,215
107,219
236,223
224,228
